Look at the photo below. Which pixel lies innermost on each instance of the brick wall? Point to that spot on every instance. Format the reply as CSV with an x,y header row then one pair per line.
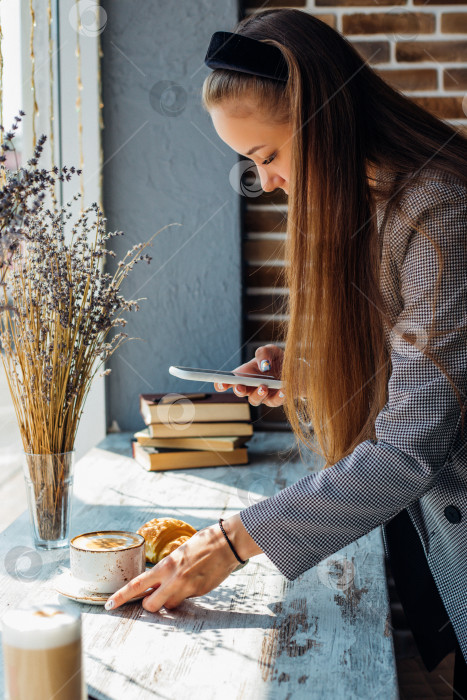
x,y
419,47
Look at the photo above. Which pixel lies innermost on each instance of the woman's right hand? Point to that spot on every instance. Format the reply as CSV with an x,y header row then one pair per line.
x,y
270,397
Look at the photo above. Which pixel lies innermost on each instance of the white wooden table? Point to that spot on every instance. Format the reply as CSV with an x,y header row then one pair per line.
x,y
326,635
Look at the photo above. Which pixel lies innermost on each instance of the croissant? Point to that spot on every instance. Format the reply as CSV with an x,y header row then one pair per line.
x,y
163,535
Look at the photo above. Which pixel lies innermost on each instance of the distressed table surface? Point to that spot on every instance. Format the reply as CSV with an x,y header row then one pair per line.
x,y
326,635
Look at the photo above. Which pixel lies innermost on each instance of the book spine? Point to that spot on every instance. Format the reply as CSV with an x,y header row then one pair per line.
x,y
202,414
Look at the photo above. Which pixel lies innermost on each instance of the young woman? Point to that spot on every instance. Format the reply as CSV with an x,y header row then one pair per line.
x,y
375,360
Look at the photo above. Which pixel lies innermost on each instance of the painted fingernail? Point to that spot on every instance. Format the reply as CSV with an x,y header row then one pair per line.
x,y
221,386
281,394
261,391
265,365
109,604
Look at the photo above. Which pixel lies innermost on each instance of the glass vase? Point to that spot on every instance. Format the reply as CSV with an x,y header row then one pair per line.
x,y
49,485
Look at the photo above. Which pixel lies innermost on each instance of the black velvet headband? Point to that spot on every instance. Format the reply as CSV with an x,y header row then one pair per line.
x,y
247,55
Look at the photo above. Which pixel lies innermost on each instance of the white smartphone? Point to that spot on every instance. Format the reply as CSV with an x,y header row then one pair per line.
x,y
225,377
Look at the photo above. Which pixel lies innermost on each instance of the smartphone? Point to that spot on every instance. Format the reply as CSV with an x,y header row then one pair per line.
x,y
224,377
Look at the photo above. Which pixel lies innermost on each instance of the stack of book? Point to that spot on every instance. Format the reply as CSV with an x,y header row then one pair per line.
x,y
200,430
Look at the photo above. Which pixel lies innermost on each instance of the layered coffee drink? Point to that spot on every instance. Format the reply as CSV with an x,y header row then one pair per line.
x,y
42,654
113,540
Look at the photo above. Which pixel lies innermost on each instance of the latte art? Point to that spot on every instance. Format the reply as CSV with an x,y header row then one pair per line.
x,y
102,541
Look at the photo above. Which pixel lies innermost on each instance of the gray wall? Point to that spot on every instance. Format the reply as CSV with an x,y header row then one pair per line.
x,y
165,163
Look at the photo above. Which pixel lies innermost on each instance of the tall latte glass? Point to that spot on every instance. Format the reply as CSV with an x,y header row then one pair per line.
x,y
42,654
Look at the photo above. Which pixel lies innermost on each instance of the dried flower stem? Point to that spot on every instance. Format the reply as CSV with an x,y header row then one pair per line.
x,y
57,321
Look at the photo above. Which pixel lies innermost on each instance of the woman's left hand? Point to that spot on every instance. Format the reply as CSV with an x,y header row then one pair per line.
x,y
193,569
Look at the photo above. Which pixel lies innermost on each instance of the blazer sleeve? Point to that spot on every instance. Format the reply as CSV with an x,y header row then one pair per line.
x,y
326,510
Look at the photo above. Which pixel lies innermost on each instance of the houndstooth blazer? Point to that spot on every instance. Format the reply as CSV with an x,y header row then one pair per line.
x,y
418,460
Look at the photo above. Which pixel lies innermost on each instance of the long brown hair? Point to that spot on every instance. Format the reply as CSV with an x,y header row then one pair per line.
x,y
344,117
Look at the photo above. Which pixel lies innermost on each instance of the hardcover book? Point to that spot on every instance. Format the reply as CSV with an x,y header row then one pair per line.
x,y
162,430
160,459
216,443
212,407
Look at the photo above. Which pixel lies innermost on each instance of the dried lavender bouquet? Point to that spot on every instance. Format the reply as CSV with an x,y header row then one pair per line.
x,y
58,315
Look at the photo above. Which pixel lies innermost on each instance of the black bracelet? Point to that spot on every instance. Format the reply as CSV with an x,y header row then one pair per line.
x,y
230,543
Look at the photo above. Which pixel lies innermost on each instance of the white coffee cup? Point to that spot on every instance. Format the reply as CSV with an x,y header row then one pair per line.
x,y
105,560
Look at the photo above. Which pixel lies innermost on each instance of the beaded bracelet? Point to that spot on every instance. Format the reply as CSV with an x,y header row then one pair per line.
x,y
230,543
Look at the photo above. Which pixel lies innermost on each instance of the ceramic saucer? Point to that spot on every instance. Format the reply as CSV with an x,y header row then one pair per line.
x,y
66,584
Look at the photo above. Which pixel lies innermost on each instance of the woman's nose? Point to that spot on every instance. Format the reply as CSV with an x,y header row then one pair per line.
x,y
268,183
267,187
